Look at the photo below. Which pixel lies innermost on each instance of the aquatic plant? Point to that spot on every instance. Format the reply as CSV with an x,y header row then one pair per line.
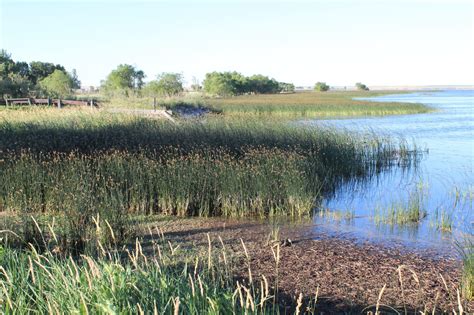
x,y
411,211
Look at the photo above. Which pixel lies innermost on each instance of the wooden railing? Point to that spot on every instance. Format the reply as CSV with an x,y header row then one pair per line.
x,y
47,101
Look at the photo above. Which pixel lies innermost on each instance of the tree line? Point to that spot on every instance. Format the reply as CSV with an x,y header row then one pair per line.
x,y
20,79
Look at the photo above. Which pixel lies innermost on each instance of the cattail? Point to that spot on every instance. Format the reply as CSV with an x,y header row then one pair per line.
x,y
223,250
201,288
140,311
209,257
176,306
299,304
6,274
379,299
75,269
192,284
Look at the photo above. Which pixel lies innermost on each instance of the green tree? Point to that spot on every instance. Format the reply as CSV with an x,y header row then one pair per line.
x,y
196,86
169,84
14,85
361,87
286,87
76,83
321,87
58,84
234,83
260,84
6,64
220,83
123,80
40,70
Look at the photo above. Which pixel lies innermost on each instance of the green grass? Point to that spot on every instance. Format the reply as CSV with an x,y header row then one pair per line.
x,y
286,106
466,251
411,211
312,105
443,220
162,282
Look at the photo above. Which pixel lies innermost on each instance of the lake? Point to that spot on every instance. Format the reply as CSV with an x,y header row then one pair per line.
x,y
443,180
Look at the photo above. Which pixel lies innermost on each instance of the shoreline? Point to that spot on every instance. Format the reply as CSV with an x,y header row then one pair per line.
x,y
347,274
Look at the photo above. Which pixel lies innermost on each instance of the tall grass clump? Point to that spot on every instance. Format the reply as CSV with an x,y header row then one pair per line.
x,y
466,250
411,211
160,282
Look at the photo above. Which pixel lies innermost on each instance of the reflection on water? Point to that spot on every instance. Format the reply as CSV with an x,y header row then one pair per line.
x,y
444,178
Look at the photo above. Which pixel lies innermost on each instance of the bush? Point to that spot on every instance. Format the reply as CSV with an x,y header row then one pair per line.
x,y
321,87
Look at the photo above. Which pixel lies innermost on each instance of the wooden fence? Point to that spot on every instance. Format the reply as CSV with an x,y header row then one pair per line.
x,y
47,101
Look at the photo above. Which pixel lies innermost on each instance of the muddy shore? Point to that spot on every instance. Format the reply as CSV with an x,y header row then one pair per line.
x,y
347,275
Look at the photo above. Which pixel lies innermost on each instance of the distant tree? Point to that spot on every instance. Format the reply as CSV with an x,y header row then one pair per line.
x,y
58,84
22,68
6,63
220,83
14,85
170,84
123,80
286,87
196,86
321,87
234,83
261,84
40,70
361,87
166,84
76,83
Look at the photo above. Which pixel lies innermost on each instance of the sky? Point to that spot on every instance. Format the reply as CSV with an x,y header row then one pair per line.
x,y
339,42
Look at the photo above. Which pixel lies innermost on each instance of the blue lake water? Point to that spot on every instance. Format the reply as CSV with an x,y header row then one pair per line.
x,y
443,179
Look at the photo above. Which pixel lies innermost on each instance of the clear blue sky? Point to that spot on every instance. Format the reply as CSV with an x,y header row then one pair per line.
x,y
340,42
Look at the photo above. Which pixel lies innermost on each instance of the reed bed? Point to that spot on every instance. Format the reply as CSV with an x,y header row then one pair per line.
x,y
313,105
286,106
74,164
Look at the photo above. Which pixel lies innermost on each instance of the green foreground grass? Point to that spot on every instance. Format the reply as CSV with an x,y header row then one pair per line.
x,y
166,281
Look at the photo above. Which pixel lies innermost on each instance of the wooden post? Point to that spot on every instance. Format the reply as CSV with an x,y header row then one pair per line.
x,y
154,104
29,101
92,103
49,101
59,103
6,100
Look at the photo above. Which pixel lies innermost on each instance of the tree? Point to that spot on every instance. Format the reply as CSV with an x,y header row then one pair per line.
x,y
321,87
6,64
220,83
234,83
286,87
123,80
261,84
169,84
76,83
40,70
361,87
196,86
14,85
58,84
